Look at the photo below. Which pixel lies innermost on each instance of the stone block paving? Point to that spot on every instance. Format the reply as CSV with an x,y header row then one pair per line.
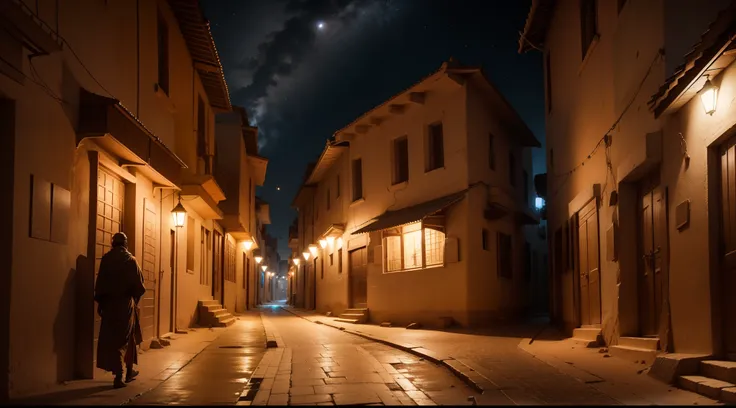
x,y
322,366
216,376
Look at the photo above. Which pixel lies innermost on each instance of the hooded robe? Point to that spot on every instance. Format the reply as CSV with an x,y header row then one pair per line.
x,y
118,289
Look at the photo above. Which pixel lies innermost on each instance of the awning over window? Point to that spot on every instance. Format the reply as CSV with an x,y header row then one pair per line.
x,y
408,215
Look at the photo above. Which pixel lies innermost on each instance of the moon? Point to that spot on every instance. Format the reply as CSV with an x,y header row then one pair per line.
x,y
321,25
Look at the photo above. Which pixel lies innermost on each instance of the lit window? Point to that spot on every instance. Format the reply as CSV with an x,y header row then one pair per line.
x,y
413,247
539,203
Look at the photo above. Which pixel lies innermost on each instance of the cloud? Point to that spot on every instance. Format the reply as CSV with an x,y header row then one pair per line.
x,y
284,51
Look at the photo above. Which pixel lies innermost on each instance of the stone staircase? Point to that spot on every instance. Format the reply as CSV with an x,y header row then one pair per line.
x,y
716,379
357,316
636,349
587,337
212,314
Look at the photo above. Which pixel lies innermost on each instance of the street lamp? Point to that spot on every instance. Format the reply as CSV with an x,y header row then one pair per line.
x,y
709,97
296,261
258,259
179,214
248,244
313,250
264,267
323,243
305,254
330,241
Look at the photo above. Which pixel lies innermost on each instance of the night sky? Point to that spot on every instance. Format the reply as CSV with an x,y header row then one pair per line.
x,y
304,69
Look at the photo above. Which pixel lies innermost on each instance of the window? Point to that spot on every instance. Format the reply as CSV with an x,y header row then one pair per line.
x,y
491,152
504,256
400,172
337,187
525,182
621,4
322,267
246,270
435,147
548,81
512,169
328,199
357,179
486,244
332,259
588,24
413,247
163,54
339,260
190,245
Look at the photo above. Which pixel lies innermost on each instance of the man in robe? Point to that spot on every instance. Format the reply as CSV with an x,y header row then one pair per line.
x,y
118,289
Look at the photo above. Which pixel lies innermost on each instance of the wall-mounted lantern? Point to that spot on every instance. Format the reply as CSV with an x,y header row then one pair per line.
x,y
330,241
179,214
709,97
264,267
296,261
313,250
258,259
248,244
323,243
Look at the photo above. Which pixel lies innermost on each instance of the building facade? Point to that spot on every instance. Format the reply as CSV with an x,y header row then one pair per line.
x,y
640,172
108,115
416,211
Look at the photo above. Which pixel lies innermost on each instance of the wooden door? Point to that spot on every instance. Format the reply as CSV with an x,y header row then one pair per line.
x,y
110,199
652,241
358,262
588,266
728,245
217,277
147,261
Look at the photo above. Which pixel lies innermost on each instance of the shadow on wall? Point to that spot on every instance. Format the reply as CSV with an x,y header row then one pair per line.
x,y
64,329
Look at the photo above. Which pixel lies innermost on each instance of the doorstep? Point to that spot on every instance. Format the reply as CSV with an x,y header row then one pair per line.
x,y
155,366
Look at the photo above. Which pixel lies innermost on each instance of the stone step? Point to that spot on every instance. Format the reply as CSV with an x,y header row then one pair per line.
x,y
719,370
352,315
645,343
633,354
587,333
585,343
223,317
709,387
221,312
356,310
339,319
212,307
208,302
225,323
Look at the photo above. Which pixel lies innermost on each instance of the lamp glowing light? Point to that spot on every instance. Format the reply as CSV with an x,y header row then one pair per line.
x,y
313,250
330,241
264,267
248,245
296,261
709,97
179,214
339,243
323,243
306,254
258,259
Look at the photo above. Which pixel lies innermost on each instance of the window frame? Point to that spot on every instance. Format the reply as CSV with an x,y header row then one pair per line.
x,y
400,160
384,239
435,156
357,187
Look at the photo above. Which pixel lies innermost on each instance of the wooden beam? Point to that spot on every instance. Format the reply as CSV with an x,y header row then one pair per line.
x,y
203,66
396,109
362,129
376,121
417,97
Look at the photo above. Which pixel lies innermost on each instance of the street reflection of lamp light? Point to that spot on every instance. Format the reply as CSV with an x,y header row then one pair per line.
x,y
179,214
305,254
248,244
709,97
313,250
264,267
323,243
330,241
258,259
296,261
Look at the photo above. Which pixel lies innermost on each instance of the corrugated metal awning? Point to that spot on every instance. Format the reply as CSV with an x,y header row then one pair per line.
x,y
408,215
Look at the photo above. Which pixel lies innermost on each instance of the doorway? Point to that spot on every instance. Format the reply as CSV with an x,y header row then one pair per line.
x,y
172,297
217,269
147,303
246,279
728,245
589,282
652,247
358,263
